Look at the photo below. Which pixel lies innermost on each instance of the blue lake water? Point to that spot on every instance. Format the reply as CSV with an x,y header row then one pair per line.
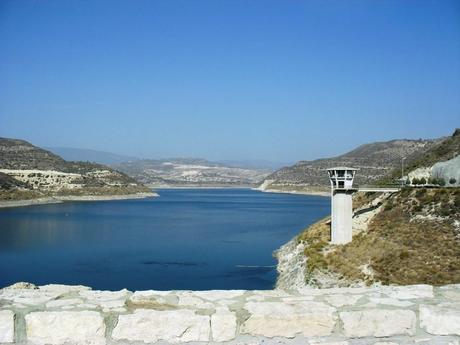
x,y
186,239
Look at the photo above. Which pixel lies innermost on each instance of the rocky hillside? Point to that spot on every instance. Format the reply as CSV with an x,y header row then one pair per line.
x,y
88,155
408,237
374,160
27,171
189,172
439,165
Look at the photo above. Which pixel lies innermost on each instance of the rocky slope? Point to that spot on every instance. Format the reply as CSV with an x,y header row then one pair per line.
x,y
88,155
29,172
374,160
189,172
408,237
440,164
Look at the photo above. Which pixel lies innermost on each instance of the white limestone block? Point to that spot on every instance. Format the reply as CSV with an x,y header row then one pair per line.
x,y
106,299
378,322
105,295
27,296
309,291
342,300
223,325
151,326
408,292
295,299
6,326
60,288
59,327
215,295
63,302
389,301
442,319
188,300
149,297
276,319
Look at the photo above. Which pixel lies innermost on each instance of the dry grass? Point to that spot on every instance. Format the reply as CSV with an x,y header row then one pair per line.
x,y
19,194
317,236
413,241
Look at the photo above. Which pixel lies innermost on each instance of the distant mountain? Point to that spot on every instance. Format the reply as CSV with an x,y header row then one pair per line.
x,y
374,161
189,172
87,155
258,164
27,168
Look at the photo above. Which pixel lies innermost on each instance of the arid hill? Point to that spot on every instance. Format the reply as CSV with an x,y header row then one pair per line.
x,y
27,171
190,172
375,161
407,237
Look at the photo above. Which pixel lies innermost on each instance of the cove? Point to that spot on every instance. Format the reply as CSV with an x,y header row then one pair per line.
x,y
195,239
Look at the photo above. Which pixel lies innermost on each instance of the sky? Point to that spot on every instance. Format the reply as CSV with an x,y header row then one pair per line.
x,y
282,80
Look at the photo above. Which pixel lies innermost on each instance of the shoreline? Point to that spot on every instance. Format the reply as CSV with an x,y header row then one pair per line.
x,y
200,187
69,198
314,193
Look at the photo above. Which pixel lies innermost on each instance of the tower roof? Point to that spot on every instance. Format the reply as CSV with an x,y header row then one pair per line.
x,y
342,168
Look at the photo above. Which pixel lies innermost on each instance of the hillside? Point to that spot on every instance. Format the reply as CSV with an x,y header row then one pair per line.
x,y
407,237
441,162
189,172
87,155
27,172
413,238
375,161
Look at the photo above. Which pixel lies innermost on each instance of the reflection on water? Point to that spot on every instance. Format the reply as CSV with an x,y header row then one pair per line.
x,y
186,239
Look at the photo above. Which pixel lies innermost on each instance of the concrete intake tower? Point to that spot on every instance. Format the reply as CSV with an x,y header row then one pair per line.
x,y
341,203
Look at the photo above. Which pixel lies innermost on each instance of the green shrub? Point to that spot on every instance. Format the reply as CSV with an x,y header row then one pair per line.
x,y
452,181
422,180
441,182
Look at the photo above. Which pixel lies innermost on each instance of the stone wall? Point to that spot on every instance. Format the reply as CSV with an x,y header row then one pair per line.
x,y
58,314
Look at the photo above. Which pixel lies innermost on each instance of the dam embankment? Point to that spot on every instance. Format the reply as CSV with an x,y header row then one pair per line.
x,y
60,314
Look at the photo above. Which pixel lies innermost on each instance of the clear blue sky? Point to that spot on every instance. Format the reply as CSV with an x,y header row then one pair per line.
x,y
279,80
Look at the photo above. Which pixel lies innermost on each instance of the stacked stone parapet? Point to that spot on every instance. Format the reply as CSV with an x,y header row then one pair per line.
x,y
60,314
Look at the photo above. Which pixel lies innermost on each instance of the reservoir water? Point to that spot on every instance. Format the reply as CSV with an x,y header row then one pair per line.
x,y
186,239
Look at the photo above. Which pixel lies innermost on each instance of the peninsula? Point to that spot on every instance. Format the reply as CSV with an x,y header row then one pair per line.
x,y
31,175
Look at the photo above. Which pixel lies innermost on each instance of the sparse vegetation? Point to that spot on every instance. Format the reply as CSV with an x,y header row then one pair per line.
x,y
375,161
317,237
415,239
91,178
